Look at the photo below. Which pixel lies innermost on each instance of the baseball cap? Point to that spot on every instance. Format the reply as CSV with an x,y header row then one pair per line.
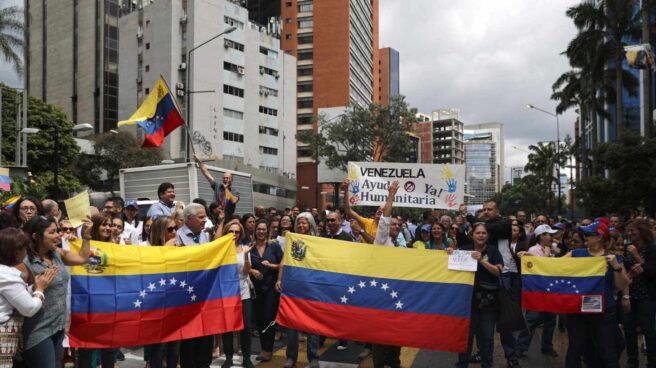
x,y
597,228
426,228
560,226
544,229
131,203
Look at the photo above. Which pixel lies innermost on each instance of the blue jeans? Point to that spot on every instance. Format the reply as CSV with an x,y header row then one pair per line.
x,y
482,324
292,345
532,320
168,351
642,314
512,282
46,354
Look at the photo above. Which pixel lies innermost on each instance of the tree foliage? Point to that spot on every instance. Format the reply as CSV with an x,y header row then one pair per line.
x,y
113,152
524,195
11,35
362,134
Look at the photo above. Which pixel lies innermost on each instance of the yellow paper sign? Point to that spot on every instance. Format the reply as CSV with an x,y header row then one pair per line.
x,y
77,208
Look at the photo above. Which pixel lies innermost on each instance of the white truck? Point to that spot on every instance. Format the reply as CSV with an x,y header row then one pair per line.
x,y
141,183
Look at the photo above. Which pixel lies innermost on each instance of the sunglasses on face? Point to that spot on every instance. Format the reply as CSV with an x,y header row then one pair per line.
x,y
67,229
331,220
171,229
454,228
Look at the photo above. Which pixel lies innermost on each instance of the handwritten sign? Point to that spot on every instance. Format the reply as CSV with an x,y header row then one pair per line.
x,y
421,185
461,260
77,208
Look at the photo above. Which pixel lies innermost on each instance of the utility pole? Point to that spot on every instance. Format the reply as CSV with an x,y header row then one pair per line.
x,y
17,155
0,127
646,74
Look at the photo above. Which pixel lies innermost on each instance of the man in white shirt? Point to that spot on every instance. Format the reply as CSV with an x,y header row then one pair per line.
x,y
192,233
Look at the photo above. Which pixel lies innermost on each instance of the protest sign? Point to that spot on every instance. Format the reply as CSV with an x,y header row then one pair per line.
x,y
77,208
421,185
461,260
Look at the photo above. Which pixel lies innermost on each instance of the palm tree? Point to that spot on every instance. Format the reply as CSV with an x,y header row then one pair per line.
x,y
11,32
603,26
542,162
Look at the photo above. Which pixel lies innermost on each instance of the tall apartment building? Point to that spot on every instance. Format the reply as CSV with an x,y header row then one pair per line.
x,y
388,75
482,172
498,136
243,100
73,58
336,45
440,137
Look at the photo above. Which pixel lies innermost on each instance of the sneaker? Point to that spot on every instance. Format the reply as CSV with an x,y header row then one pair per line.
x,y
342,347
475,358
314,364
365,353
227,364
290,363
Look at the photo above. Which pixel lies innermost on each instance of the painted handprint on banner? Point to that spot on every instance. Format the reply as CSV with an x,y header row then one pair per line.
x,y
450,200
447,173
452,185
353,179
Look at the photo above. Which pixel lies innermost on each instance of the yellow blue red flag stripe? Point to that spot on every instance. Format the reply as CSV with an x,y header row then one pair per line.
x,y
135,295
350,290
561,285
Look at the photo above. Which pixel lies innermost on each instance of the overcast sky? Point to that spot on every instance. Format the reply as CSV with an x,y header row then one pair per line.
x,y
486,58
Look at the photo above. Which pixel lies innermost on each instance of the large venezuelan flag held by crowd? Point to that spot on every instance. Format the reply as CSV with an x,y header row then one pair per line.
x,y
373,293
563,285
130,295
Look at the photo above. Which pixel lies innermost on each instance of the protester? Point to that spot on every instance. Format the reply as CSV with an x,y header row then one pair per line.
x,y
51,208
14,293
163,233
133,224
334,226
486,296
43,333
286,224
224,193
26,208
248,222
166,195
144,239
244,265
265,261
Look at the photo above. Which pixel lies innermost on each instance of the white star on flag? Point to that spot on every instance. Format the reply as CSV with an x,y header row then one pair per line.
x,y
384,287
394,294
362,284
137,304
193,297
142,294
190,289
351,289
344,299
183,284
151,286
173,280
162,282
399,305
373,283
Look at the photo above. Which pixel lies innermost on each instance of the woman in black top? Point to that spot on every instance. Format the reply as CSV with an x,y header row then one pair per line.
x,y
485,299
265,261
640,254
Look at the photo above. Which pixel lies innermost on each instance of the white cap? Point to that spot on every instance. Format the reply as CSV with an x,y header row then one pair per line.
x,y
544,229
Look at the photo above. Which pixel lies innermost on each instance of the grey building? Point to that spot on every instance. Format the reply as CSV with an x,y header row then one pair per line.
x,y
72,58
498,136
482,173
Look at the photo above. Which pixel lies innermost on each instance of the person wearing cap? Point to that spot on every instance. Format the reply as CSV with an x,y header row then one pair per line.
x,y
425,234
600,330
133,225
544,247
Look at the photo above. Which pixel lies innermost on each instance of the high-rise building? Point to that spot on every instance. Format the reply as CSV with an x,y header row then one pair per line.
x,y
388,75
336,45
482,172
498,133
73,58
261,11
440,137
243,87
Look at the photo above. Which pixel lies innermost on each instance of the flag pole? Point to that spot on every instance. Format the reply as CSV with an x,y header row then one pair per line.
x,y
186,123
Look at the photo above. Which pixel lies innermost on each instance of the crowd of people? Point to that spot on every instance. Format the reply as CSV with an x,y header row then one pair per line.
x,y
34,280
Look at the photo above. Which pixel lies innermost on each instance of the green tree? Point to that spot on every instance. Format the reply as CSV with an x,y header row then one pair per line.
x,y
542,163
113,152
524,195
362,134
11,32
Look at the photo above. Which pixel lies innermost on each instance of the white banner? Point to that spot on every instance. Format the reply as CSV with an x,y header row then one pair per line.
x,y
421,185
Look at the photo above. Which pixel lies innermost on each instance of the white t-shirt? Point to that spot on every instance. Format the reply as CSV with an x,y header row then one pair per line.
x,y
244,285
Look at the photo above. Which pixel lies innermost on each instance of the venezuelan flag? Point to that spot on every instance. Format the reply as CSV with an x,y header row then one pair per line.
x,y
134,295
228,197
9,204
372,293
563,285
157,116
5,180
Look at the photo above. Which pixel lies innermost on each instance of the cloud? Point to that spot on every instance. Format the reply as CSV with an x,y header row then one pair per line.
x,y
486,58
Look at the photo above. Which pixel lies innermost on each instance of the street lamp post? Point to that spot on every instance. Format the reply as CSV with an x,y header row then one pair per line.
x,y
55,135
557,148
188,89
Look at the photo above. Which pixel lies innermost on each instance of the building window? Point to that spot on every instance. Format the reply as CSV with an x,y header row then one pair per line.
x,y
147,45
268,150
233,67
288,20
233,22
304,87
288,4
305,55
269,71
268,111
233,91
288,36
304,103
305,22
305,39
147,68
268,52
232,44
304,71
304,152
266,91
305,7
268,131
234,114
234,137
147,91
304,119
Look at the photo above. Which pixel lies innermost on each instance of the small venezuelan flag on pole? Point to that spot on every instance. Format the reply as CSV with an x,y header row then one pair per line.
x,y
158,115
563,285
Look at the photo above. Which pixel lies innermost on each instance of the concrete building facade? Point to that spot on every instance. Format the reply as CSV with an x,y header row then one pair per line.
x,y
498,133
482,172
388,75
73,58
243,87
